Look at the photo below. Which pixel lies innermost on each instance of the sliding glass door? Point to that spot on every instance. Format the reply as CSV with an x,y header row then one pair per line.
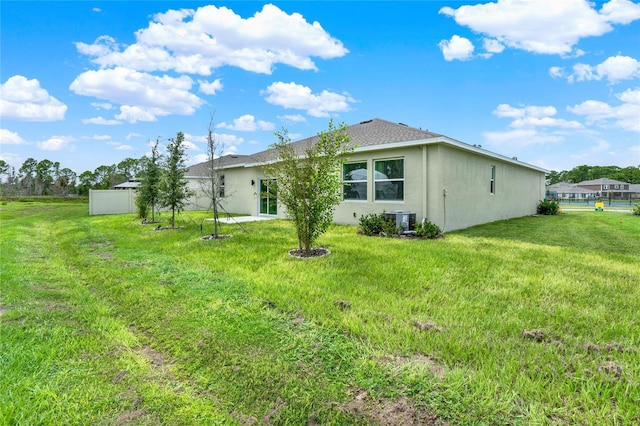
x,y
268,197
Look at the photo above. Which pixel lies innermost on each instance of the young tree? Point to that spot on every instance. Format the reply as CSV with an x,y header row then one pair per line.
x,y
309,184
149,190
213,187
173,186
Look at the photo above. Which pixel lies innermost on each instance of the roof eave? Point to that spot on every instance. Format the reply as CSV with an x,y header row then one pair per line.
x,y
449,141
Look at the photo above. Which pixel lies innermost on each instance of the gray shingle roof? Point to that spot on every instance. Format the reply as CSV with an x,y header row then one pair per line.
x,y
370,133
601,181
225,161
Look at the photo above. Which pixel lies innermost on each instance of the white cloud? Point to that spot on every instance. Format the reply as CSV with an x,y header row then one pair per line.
x,y
96,9
56,143
296,96
614,69
247,123
543,26
190,145
557,72
198,41
143,97
210,88
11,158
8,137
530,125
600,147
457,48
228,140
624,116
119,146
292,118
98,137
533,116
102,105
133,135
23,99
521,137
101,120
492,45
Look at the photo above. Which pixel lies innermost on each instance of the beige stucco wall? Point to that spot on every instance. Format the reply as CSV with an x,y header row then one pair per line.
x,y
428,171
240,196
350,211
465,175
469,201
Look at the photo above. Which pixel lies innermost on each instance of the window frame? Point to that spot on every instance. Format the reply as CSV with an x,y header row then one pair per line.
x,y
492,180
364,181
221,188
390,180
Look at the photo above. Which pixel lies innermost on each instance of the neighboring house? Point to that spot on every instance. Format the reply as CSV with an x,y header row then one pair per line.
x,y
131,184
395,167
571,191
607,188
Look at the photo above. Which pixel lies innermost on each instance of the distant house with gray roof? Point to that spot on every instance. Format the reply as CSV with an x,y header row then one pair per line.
x,y
394,167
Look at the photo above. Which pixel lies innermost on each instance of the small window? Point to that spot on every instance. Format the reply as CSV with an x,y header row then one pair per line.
x,y
221,187
605,186
493,180
354,181
388,177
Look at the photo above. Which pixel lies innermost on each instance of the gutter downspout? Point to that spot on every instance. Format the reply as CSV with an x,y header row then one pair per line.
x,y
425,186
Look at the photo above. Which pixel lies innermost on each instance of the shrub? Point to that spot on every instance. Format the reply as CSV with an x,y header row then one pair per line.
x,y
636,209
372,224
142,206
389,228
427,229
548,207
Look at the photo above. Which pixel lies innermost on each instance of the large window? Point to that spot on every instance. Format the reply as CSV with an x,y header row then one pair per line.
x,y
492,184
354,181
388,177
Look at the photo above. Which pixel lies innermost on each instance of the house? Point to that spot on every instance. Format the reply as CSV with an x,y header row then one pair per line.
x,y
571,191
396,167
607,188
130,184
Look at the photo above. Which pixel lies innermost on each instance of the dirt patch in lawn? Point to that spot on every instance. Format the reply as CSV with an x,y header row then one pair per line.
x,y
427,325
609,347
386,412
612,369
130,417
434,367
216,237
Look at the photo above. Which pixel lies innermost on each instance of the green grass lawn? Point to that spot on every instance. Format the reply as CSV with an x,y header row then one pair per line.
x,y
527,321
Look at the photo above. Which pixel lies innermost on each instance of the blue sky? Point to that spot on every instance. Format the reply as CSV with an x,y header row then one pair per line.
x,y
554,83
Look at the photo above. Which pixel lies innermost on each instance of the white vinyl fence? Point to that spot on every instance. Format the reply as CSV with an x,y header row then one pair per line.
x,y
114,201
111,201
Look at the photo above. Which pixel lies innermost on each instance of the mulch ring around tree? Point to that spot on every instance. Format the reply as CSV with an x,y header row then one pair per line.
x,y
216,237
314,252
166,228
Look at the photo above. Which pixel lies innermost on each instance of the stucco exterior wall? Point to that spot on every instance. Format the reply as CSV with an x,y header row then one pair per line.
x,y
429,170
432,169
466,177
240,195
350,211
